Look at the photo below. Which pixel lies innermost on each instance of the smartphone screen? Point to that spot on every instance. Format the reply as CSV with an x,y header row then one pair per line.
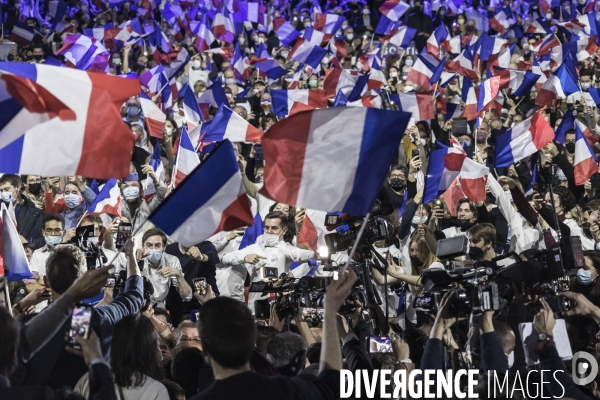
x,y
80,323
380,344
200,286
123,234
311,314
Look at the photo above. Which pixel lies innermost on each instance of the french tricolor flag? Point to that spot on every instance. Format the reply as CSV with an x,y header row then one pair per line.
x,y
328,24
337,79
370,140
523,140
227,124
402,36
469,98
586,47
560,85
313,230
501,21
587,133
21,34
314,36
191,109
487,93
307,53
254,12
423,70
205,36
223,27
154,117
271,68
108,200
89,134
212,199
443,168
13,261
283,100
472,179
418,104
214,95
84,52
585,163
159,171
284,30
489,45
394,9
187,159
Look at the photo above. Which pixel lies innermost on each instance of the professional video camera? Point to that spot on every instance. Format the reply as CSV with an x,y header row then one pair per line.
x,y
94,255
476,290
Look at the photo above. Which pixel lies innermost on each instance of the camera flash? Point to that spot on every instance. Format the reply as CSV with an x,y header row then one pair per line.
x,y
323,251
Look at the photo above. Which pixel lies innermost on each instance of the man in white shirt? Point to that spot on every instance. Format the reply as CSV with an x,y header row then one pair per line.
x,y
269,251
163,270
230,278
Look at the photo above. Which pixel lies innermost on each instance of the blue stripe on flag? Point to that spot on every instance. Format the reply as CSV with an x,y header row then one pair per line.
x,y
196,189
435,169
253,232
280,102
10,156
504,155
382,132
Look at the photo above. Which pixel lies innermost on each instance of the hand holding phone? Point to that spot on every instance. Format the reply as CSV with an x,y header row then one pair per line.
x,y
80,324
200,286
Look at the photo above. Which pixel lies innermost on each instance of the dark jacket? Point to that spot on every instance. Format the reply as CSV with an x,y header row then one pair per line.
x,y
193,269
52,365
30,221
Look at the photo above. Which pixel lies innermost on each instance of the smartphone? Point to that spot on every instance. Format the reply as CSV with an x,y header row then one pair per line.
x,y
415,153
260,155
46,293
459,126
311,314
268,272
200,286
80,323
123,234
379,344
262,309
110,282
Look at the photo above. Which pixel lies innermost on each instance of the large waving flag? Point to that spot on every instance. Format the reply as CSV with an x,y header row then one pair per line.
x,y
523,140
159,171
13,261
423,70
585,163
420,105
469,98
212,199
187,159
223,26
502,21
284,30
394,9
298,149
205,36
487,93
154,117
252,232
88,138
191,109
402,36
473,178
568,122
227,124
108,200
443,168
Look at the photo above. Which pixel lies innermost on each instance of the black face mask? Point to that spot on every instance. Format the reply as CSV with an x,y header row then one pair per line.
x,y
470,29
397,184
35,188
475,253
416,261
464,224
570,147
38,57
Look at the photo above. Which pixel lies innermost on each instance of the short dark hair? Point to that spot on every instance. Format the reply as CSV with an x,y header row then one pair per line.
x,y
586,72
154,232
278,214
9,339
186,367
287,353
227,331
65,264
471,206
14,180
134,351
264,334
165,313
567,199
486,231
54,217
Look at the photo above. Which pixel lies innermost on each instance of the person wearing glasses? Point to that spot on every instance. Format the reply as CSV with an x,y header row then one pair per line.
x,y
53,231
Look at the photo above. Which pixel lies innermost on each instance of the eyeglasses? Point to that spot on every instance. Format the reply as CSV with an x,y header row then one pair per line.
x,y
56,231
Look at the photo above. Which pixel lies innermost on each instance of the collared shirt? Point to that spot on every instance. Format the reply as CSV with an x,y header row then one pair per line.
x,y
163,284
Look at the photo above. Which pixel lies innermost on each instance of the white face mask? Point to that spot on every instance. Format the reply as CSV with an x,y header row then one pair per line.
x,y
393,74
285,54
196,64
511,358
271,239
168,131
419,220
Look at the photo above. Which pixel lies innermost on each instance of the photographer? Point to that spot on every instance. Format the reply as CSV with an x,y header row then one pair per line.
x,y
228,345
53,365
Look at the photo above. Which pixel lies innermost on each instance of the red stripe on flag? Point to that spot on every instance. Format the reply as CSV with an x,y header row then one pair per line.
x,y
155,128
284,146
308,234
107,140
237,215
584,170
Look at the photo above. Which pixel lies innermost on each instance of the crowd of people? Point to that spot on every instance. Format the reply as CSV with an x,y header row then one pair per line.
x,y
172,322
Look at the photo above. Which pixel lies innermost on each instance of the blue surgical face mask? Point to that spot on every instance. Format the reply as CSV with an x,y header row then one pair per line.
x,y
53,240
131,193
7,197
584,277
154,256
409,62
72,200
133,111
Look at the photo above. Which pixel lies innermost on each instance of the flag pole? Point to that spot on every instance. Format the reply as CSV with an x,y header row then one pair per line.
x,y
81,219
